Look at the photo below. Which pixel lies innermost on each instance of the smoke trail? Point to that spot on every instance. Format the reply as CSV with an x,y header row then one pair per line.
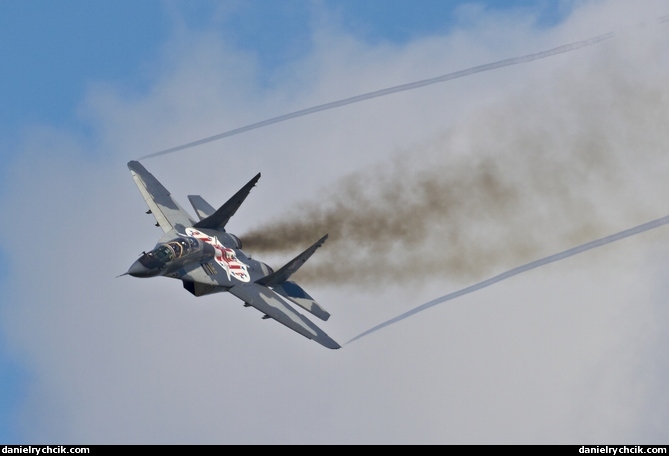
x,y
392,222
390,90
460,217
526,267
554,165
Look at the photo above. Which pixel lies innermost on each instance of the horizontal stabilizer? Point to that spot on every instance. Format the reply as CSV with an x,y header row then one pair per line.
x,y
202,208
220,218
291,267
167,212
277,307
296,294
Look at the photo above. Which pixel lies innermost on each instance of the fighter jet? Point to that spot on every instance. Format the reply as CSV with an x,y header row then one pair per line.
x,y
208,259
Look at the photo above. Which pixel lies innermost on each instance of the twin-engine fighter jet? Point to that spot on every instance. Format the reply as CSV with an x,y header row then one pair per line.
x,y
207,259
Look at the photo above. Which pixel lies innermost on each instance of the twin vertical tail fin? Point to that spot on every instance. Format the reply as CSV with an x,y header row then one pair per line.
x,y
220,218
291,267
279,282
202,208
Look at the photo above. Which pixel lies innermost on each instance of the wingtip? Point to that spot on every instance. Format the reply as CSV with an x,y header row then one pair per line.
x,y
134,165
330,343
327,341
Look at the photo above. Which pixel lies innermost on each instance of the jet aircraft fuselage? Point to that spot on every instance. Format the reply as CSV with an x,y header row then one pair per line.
x,y
180,252
208,259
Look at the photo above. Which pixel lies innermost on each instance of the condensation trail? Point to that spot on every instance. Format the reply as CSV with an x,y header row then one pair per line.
x,y
390,90
400,88
534,264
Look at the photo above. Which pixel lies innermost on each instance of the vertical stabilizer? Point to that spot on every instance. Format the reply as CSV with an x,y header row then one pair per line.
x,y
220,218
202,208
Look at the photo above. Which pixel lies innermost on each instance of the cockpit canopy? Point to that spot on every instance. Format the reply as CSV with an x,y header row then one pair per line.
x,y
163,253
170,251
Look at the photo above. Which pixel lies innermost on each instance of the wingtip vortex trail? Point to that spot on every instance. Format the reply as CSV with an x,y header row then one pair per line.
x,y
395,89
520,269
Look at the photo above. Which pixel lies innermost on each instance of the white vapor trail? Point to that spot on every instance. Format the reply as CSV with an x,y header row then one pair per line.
x,y
390,90
526,267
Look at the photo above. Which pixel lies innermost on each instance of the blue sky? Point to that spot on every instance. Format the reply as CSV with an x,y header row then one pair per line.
x,y
54,50
55,54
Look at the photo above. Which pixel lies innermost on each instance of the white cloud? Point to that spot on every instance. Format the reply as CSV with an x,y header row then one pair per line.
x,y
564,354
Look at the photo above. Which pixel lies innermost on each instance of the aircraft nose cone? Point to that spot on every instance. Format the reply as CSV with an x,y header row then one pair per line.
x,y
139,270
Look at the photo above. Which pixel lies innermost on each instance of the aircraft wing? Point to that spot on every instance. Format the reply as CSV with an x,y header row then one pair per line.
x,y
296,294
167,212
277,307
